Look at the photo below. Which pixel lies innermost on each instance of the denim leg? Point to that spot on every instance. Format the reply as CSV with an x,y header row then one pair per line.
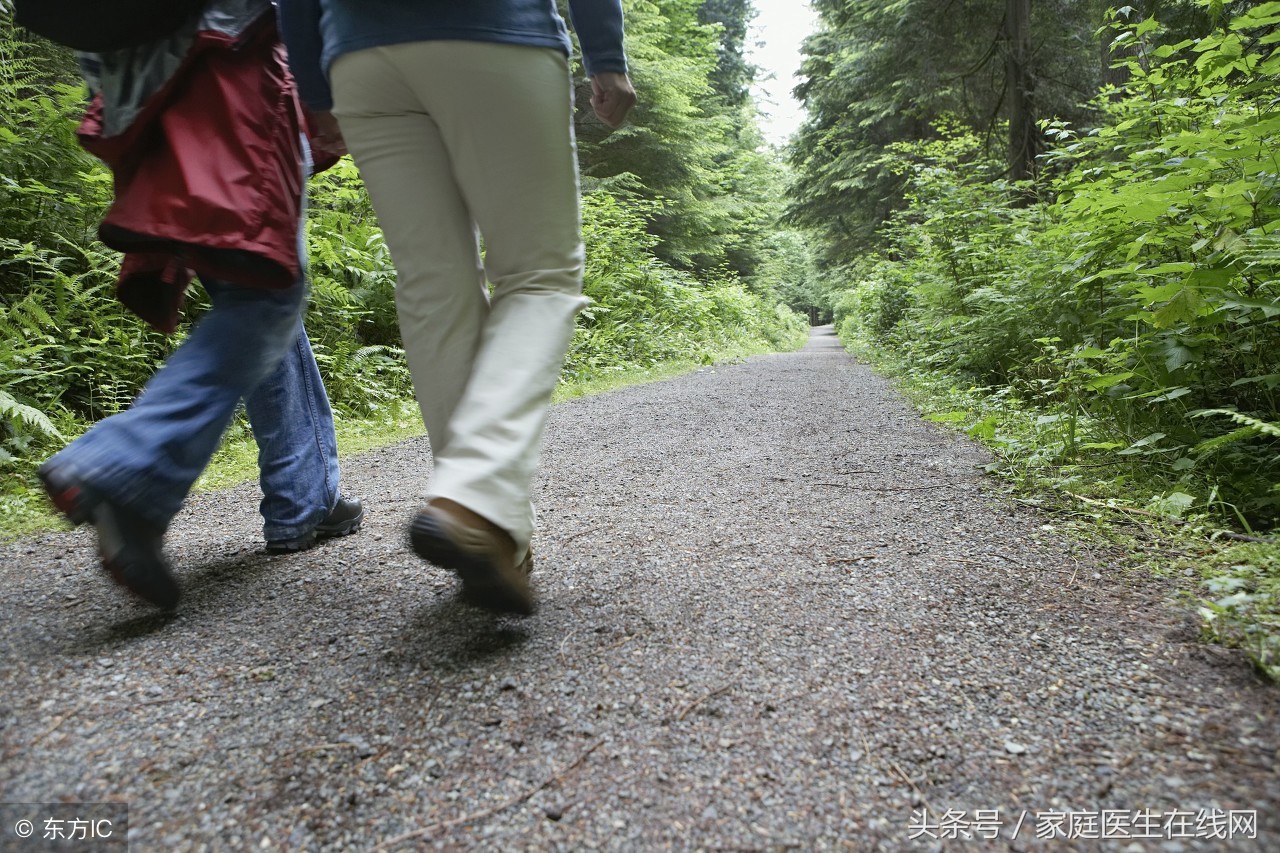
x,y
297,451
148,456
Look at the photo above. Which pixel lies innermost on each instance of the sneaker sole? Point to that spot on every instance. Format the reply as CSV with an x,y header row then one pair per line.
x,y
483,583
321,533
160,588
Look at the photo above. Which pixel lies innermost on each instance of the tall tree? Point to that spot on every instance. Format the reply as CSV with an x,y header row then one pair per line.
x,y
692,153
733,75
878,73
1020,86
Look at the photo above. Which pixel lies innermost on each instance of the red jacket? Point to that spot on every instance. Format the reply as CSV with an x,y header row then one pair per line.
x,y
208,176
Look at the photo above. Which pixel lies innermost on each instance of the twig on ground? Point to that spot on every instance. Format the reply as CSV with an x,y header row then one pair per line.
x,y
688,709
165,701
62,719
866,748
1017,563
323,747
907,779
579,534
889,489
567,637
490,812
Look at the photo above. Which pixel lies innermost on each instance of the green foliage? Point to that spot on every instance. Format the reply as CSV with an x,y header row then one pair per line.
x,y
1243,604
68,350
351,319
1136,305
877,74
644,312
691,155
733,75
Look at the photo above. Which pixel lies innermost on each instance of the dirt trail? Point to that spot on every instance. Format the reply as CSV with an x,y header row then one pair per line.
x,y
778,609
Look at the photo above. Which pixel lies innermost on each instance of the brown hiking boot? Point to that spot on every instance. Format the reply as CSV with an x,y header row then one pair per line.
x,y
479,552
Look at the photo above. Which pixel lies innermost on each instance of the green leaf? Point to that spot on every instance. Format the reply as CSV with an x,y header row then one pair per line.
x,y
1174,505
1108,380
948,417
1142,445
1184,307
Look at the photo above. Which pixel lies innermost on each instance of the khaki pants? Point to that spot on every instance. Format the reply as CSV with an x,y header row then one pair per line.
x,y
456,139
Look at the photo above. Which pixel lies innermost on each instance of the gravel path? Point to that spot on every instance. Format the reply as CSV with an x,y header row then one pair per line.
x,y
778,610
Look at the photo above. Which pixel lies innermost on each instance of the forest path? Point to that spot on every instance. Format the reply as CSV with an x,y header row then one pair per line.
x,y
777,609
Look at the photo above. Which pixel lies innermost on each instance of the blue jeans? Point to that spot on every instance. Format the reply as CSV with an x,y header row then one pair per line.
x,y
250,346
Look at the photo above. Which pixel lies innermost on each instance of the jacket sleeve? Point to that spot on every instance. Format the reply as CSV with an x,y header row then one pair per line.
x,y
598,24
300,32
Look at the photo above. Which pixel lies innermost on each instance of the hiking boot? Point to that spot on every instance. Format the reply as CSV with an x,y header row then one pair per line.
x,y
480,553
345,518
131,548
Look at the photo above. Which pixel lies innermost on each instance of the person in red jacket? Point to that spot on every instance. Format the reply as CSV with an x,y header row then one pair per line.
x,y
205,137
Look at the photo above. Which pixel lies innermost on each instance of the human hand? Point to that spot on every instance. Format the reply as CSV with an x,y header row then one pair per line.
x,y
326,134
612,97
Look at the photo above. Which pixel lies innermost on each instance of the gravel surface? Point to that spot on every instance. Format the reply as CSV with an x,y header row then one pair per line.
x,y
778,610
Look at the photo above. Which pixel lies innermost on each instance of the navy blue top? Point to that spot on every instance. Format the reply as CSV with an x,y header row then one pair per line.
x,y
317,32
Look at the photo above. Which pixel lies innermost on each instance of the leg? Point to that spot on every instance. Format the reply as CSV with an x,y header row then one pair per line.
x,y
499,139
515,161
147,457
130,473
292,423
297,451
441,298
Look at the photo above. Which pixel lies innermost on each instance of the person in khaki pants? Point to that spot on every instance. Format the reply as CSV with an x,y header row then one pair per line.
x,y
459,117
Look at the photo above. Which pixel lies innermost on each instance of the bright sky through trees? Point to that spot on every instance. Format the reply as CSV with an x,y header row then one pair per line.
x,y
774,45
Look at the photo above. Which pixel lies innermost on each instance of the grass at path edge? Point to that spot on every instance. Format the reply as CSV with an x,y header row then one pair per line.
x,y
1233,585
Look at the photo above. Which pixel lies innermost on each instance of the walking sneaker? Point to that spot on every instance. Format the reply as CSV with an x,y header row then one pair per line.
x,y
482,557
131,548
345,518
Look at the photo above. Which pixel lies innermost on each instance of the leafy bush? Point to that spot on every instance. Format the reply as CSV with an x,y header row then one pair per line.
x,y
68,350
1135,303
643,312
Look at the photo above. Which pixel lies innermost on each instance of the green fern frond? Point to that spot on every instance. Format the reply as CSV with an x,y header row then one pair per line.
x,y
1259,426
33,417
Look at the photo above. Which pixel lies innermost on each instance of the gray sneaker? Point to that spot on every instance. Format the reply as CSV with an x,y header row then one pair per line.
x,y
345,518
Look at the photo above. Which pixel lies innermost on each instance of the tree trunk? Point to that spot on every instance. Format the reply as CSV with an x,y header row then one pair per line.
x,y
1024,136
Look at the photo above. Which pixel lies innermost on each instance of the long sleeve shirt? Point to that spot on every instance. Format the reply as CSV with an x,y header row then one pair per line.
x,y
317,32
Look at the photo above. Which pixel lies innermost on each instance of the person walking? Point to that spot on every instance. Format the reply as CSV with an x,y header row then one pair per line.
x,y
459,117
205,138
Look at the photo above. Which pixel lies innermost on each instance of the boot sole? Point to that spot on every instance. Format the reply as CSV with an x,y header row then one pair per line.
x,y
483,583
